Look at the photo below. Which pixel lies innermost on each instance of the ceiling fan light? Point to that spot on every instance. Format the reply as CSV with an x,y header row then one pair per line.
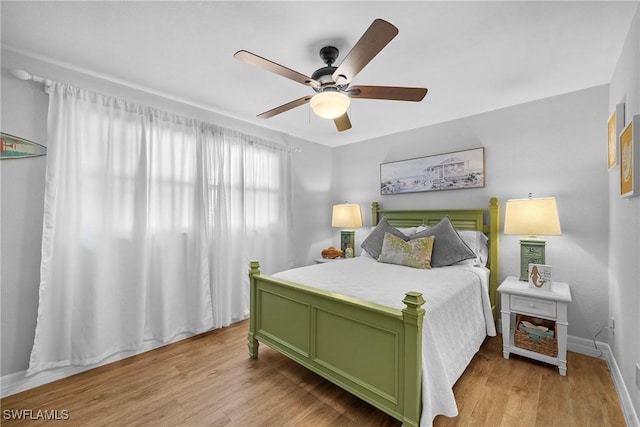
x,y
330,104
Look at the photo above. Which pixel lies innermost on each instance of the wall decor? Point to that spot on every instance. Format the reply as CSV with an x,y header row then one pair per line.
x,y
630,158
540,276
14,147
614,125
612,142
448,171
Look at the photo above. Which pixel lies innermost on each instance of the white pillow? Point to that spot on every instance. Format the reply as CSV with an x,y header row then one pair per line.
x,y
365,254
408,231
476,240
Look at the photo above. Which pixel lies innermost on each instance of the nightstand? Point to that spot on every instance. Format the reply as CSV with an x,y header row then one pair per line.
x,y
516,297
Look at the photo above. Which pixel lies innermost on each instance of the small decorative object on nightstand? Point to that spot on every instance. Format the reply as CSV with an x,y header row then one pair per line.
x,y
348,252
534,322
540,276
531,217
331,253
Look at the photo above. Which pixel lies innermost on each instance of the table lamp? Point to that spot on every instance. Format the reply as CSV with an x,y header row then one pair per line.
x,y
347,216
531,217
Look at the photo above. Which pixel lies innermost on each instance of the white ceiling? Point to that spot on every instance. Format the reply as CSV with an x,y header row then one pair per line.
x,y
472,56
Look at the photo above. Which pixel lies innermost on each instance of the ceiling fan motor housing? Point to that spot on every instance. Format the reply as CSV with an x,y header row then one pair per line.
x,y
324,75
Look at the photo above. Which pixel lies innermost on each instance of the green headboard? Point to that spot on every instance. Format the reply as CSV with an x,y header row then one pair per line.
x,y
486,220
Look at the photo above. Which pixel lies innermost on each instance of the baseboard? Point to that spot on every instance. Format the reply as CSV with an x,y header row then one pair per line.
x,y
603,351
588,347
18,381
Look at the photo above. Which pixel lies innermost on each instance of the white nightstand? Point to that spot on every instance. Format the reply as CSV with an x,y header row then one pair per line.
x,y
517,298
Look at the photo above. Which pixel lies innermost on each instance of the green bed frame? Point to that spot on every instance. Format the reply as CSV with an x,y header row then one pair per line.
x,y
372,351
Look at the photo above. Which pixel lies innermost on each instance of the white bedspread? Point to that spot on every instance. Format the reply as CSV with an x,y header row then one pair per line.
x,y
458,314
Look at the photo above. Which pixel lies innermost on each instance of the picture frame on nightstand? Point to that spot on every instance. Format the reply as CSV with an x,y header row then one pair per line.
x,y
540,276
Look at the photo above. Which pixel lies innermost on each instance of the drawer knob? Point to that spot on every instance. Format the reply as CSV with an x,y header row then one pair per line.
x,y
532,305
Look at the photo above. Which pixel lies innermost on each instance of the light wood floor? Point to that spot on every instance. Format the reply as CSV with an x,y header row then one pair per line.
x,y
209,380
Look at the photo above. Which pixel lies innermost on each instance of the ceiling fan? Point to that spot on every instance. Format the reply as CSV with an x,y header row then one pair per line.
x,y
331,83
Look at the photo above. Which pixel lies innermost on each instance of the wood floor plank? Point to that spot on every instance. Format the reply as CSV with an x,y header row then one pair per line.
x,y
209,380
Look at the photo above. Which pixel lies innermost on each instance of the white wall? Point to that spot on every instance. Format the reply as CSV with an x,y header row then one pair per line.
x,y
552,147
624,227
24,113
312,200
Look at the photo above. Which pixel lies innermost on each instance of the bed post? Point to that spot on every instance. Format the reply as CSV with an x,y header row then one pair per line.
x,y
413,316
494,260
375,206
254,268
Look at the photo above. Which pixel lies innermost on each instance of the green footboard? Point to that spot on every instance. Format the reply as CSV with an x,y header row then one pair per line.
x,y
372,351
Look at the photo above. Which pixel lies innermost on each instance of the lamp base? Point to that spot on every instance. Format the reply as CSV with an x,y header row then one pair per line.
x,y
347,239
531,252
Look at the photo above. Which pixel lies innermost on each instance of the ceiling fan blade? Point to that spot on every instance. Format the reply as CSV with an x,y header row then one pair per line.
x,y
393,93
342,123
285,107
265,64
377,36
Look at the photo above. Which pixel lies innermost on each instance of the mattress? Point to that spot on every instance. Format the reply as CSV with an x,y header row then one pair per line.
x,y
458,314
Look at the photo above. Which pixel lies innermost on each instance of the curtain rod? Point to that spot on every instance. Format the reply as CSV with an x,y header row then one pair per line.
x,y
24,75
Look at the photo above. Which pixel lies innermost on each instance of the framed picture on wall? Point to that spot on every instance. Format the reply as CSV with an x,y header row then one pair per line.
x,y
630,159
614,127
448,171
612,142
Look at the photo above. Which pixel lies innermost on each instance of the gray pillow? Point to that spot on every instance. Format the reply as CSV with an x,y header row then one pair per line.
x,y
448,248
373,243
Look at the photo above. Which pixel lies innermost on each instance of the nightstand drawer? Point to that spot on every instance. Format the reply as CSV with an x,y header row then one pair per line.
x,y
534,306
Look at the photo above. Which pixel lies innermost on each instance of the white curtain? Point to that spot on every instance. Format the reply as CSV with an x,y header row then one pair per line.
x,y
150,222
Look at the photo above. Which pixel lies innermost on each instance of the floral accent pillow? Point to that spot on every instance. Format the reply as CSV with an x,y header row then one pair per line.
x,y
414,253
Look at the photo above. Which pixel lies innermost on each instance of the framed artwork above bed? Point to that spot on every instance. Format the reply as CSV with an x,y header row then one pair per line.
x,y
448,171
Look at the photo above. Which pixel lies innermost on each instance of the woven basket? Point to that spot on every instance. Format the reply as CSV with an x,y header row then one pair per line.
x,y
545,345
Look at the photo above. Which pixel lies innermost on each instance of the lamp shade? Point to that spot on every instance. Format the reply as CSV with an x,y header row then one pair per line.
x,y
330,104
346,216
532,217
